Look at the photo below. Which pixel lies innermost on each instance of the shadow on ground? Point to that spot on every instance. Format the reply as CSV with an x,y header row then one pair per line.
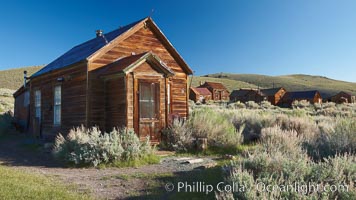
x,y
20,149
193,185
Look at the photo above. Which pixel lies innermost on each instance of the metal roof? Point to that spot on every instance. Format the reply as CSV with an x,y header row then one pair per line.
x,y
214,85
270,91
83,51
244,93
201,91
301,95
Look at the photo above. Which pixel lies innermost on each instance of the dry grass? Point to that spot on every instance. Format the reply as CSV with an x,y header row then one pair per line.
x,y
17,185
13,78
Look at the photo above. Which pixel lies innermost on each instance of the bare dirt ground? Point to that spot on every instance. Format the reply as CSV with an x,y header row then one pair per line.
x,y
146,182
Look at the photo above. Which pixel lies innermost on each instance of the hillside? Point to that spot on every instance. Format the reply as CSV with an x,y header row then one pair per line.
x,y
229,83
13,78
298,82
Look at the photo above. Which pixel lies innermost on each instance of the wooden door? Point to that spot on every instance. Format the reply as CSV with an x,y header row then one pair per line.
x,y
149,119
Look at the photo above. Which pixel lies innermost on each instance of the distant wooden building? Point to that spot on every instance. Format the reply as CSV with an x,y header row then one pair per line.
x,y
131,77
273,95
311,96
199,94
218,91
245,95
343,97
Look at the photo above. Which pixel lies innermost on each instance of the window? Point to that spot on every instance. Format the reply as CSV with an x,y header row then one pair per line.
x,y
57,105
149,100
168,98
26,99
38,104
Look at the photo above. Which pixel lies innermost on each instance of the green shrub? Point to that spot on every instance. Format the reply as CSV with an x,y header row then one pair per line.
x,y
178,136
252,122
252,105
266,105
335,138
281,161
5,122
91,147
304,126
216,126
274,139
237,105
300,104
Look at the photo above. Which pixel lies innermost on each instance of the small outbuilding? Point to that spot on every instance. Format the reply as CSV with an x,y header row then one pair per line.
x,y
218,91
274,95
199,94
343,97
245,95
311,96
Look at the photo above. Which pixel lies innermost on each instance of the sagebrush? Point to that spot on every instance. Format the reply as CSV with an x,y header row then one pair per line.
x,y
92,147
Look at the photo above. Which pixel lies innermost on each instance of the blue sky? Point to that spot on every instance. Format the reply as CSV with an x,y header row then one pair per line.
x,y
272,37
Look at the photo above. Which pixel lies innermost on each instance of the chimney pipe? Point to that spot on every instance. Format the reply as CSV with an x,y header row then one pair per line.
x,y
24,78
99,33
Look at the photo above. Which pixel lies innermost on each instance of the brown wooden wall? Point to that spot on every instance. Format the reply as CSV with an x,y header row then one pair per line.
x,y
96,101
144,72
342,97
193,96
115,103
21,110
142,41
317,98
278,96
220,95
196,97
73,108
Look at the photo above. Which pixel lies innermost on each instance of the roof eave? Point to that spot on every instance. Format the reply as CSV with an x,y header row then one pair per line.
x,y
71,65
150,57
186,66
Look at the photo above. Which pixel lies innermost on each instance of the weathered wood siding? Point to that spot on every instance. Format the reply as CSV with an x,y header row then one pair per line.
x,y
317,98
144,72
115,103
21,111
142,41
277,97
343,97
220,95
73,104
96,100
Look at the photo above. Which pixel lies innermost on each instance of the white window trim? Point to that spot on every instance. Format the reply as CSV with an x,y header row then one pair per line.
x,y
56,104
38,104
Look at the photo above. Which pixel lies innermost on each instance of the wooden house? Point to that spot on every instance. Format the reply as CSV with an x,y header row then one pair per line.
x,y
311,96
273,95
218,91
131,77
343,97
199,94
245,95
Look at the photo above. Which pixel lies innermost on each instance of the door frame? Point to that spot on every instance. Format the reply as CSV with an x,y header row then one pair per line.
x,y
136,107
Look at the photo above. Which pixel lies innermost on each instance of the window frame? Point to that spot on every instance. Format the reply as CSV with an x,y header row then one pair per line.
x,y
38,103
57,104
154,100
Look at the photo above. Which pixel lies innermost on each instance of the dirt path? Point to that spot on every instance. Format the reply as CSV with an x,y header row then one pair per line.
x,y
112,183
